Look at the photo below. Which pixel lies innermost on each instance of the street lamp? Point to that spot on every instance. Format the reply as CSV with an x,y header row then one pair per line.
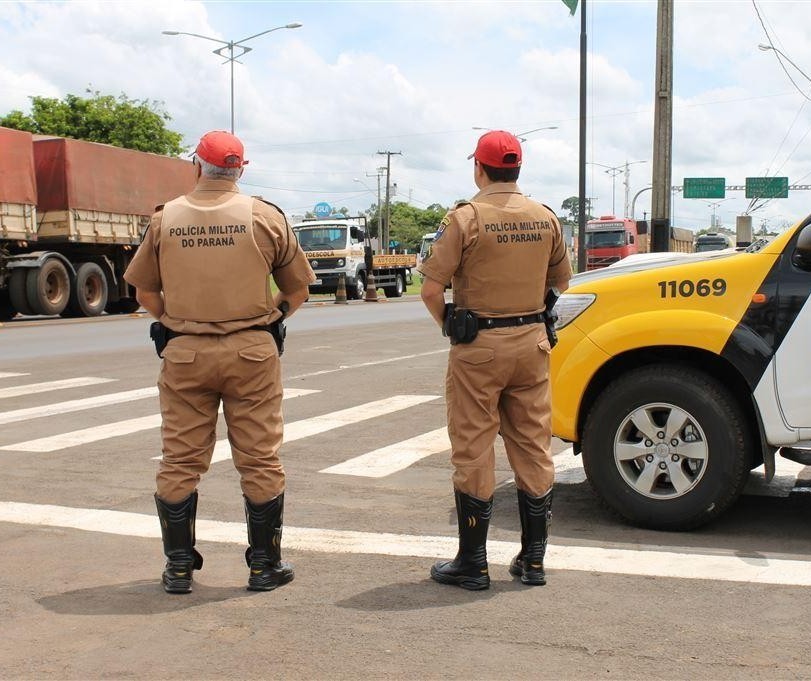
x,y
767,48
714,205
230,57
614,171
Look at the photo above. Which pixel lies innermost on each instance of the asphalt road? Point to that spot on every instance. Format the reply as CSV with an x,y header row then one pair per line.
x,y
369,507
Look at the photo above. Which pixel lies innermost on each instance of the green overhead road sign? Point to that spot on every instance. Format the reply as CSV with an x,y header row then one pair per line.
x,y
766,187
704,187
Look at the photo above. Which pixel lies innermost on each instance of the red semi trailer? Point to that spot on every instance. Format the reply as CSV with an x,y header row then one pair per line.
x,y
72,214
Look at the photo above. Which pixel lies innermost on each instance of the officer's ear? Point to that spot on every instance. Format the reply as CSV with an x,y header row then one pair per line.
x,y
197,168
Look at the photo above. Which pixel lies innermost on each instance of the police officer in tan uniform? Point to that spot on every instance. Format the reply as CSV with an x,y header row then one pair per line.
x,y
203,270
502,253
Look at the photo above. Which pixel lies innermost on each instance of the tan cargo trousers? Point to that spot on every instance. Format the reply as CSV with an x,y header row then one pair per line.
x,y
499,383
243,370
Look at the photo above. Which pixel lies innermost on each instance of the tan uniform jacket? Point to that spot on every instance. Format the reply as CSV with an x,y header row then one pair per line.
x,y
501,252
211,253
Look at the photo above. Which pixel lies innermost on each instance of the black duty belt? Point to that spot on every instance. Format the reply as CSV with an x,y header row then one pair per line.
x,y
502,322
170,333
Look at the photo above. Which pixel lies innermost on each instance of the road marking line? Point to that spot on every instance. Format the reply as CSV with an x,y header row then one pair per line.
x,y
11,374
96,433
76,405
367,364
387,460
649,563
336,419
32,388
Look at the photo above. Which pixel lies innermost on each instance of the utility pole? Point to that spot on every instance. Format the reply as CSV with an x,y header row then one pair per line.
x,y
581,218
378,173
662,129
384,246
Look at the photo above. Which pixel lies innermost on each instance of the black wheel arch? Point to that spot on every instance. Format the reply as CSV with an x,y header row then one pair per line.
x,y
709,363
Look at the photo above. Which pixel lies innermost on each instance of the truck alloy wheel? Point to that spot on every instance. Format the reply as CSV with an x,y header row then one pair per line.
x,y
666,447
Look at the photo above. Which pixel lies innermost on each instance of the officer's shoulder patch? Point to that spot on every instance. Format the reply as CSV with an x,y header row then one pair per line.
x,y
442,224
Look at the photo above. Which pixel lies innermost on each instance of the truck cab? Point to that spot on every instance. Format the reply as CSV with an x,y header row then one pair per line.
x,y
674,378
339,248
334,247
712,241
610,239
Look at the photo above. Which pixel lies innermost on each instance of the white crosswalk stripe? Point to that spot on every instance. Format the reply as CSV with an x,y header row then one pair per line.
x,y
720,566
97,433
32,388
16,415
387,460
336,419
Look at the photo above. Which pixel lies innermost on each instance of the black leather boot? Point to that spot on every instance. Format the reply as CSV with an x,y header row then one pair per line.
x,y
177,531
469,568
265,552
536,515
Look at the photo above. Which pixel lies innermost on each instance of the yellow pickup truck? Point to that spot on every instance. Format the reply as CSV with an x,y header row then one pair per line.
x,y
676,375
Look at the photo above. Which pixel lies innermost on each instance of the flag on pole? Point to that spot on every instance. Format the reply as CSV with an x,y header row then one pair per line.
x,y
571,4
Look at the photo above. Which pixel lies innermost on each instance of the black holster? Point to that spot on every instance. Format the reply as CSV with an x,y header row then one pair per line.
x,y
160,335
550,317
278,329
461,326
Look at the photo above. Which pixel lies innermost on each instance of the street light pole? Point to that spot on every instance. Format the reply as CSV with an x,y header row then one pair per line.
x,y
230,58
614,171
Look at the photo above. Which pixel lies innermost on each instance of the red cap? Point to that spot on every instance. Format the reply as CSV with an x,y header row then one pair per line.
x,y
221,149
498,149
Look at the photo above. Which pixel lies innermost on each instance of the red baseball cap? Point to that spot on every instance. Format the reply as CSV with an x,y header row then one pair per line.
x,y
498,149
221,149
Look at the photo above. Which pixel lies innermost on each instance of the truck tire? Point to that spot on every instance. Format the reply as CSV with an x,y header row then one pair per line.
x,y
122,306
398,289
17,291
667,447
358,290
88,297
48,288
7,310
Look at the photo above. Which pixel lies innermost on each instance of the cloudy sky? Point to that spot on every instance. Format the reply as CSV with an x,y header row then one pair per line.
x,y
315,105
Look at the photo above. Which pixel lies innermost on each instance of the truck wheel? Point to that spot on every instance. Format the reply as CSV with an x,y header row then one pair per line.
x,y
17,291
7,310
88,298
666,447
358,291
398,289
48,288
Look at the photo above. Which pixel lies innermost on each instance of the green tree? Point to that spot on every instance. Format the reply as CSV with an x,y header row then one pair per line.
x,y
120,121
409,223
572,207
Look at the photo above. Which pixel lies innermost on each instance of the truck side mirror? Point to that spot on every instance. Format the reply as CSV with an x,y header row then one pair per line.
x,y
630,238
801,257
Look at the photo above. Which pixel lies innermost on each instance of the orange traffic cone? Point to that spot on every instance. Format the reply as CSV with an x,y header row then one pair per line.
x,y
371,289
340,294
